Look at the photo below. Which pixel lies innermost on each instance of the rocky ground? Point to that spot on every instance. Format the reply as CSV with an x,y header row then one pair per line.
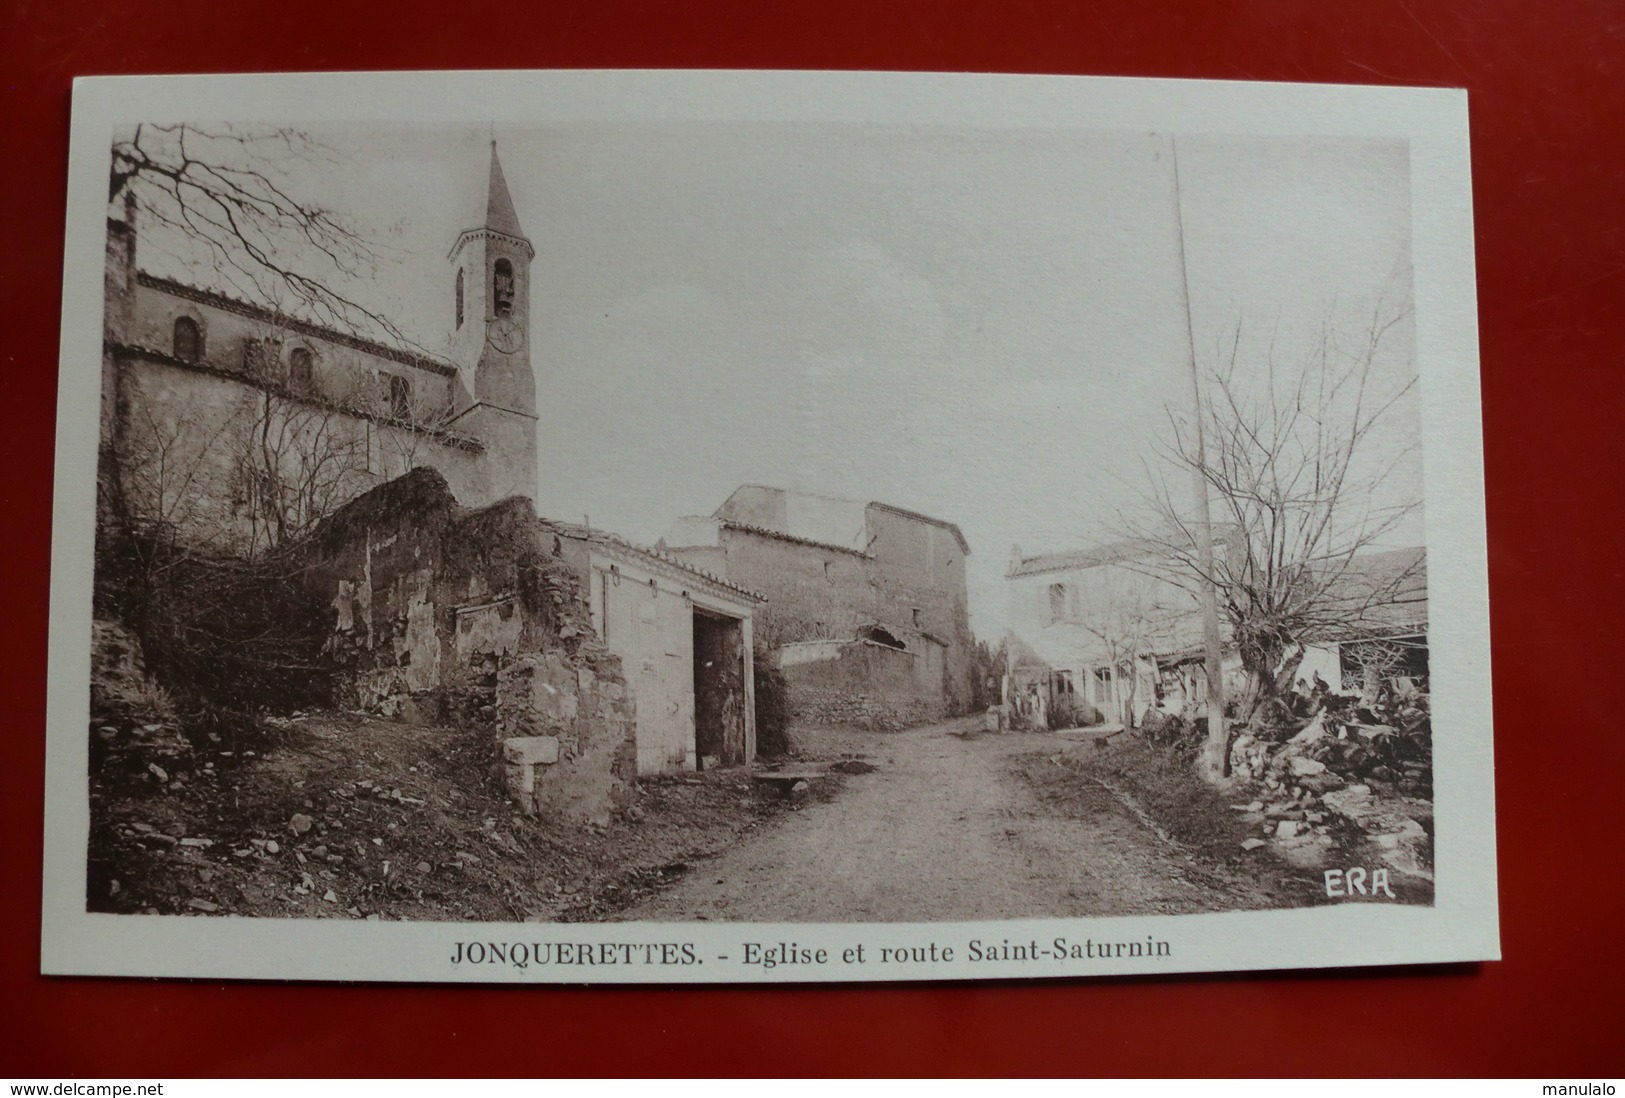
x,y
1282,835
333,815
346,816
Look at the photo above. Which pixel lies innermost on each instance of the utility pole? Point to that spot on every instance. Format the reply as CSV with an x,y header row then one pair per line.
x,y
1216,751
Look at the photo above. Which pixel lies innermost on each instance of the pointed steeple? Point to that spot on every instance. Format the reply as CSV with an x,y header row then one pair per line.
x,y
499,211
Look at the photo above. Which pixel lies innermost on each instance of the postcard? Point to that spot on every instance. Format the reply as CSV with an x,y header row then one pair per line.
x,y
730,527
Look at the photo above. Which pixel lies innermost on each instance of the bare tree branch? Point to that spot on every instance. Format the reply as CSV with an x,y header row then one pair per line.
x,y
1302,493
219,190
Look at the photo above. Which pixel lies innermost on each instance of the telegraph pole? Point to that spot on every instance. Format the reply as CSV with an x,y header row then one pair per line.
x,y
1215,752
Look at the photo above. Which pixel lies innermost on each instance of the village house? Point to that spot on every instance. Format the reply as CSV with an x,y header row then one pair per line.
x,y
1383,597
867,608
1084,630
1102,635
684,638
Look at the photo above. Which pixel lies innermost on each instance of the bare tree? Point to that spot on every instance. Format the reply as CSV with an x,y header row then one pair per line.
x,y
1128,615
1301,489
296,461
224,190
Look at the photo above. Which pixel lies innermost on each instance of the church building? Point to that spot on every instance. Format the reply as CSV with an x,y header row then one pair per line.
x,y
231,428
236,427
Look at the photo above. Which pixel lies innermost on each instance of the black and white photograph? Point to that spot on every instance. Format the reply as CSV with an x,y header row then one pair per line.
x,y
800,526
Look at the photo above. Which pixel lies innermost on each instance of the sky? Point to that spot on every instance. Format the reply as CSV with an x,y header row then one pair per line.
x,y
985,326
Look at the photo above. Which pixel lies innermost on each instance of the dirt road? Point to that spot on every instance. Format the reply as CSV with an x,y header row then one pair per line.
x,y
945,828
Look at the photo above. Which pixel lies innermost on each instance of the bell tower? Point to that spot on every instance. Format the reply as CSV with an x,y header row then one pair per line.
x,y
490,287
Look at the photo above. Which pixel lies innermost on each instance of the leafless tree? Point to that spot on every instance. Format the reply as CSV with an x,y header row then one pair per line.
x,y
1302,484
1127,613
296,461
224,190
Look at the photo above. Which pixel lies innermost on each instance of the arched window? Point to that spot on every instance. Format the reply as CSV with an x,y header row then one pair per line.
x,y
1057,601
400,398
301,370
188,339
502,288
459,297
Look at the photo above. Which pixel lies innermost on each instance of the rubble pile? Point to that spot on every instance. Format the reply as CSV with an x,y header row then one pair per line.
x,y
1345,776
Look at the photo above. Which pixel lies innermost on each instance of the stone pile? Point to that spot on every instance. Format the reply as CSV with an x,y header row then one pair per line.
x,y
1336,782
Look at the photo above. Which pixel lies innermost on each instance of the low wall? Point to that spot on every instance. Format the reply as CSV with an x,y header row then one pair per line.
x,y
862,685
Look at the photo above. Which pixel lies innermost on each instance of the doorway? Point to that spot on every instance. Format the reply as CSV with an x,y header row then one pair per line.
x,y
719,691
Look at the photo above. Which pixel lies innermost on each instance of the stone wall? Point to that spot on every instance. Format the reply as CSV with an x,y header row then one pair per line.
x,y
442,613
815,592
864,685
824,593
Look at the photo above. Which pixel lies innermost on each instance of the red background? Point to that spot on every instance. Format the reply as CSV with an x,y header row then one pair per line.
x,y
1547,102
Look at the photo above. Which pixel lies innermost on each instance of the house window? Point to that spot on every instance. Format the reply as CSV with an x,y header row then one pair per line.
x,y
502,288
188,339
301,370
400,397
1057,601
1103,685
459,297
1063,683
916,611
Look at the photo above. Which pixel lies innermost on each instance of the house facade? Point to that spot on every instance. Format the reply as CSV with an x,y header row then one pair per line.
x,y
1086,629
684,638
1100,636
866,607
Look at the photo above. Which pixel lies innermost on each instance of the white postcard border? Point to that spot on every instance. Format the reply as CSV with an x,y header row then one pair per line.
x,y
1462,924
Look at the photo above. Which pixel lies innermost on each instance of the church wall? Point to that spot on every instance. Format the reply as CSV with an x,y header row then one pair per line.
x,y
343,374
189,442
509,467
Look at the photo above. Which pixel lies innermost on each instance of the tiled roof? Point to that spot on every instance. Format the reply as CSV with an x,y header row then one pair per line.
x,y
768,532
1113,553
619,544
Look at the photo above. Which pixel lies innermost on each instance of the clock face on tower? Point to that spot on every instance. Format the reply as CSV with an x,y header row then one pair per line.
x,y
504,334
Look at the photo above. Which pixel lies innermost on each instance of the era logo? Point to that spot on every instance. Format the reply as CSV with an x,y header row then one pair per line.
x,y
1339,883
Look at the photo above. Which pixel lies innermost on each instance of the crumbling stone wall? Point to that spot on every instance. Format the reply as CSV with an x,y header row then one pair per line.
x,y
569,734
446,613
863,685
